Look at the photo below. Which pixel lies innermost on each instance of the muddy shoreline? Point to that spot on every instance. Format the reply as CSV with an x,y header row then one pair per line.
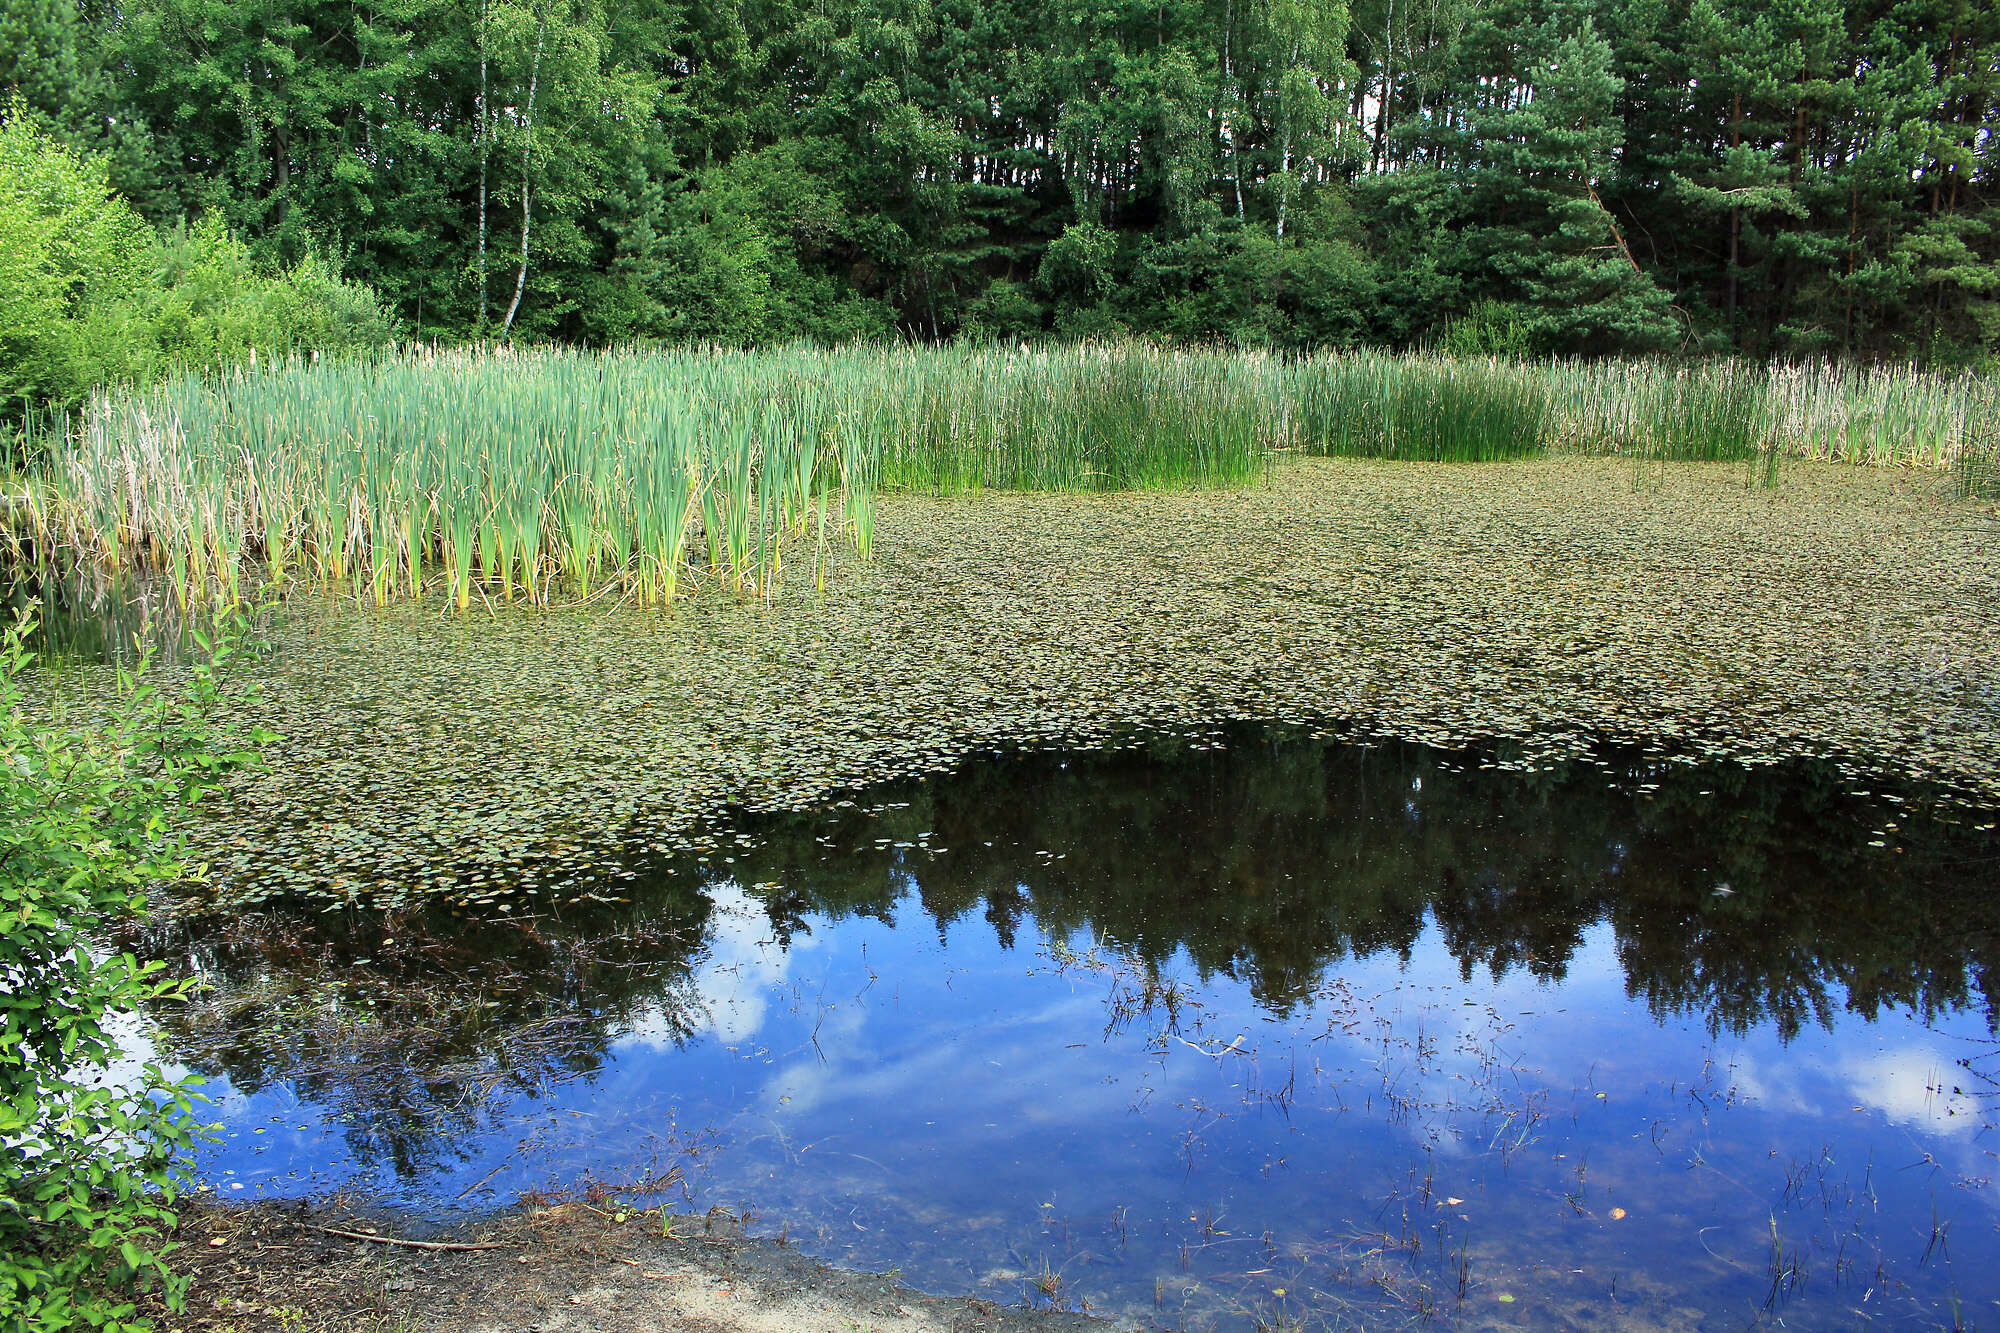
x,y
566,1267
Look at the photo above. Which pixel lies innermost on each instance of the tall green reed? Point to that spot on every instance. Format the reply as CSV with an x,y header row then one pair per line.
x,y
1423,407
534,475
544,474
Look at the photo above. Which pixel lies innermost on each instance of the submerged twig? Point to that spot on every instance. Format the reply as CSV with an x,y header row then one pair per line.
x,y
412,1244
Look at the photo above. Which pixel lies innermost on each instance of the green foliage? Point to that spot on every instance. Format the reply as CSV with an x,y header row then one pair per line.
x,y
89,1167
67,243
1005,310
89,294
1709,413
1979,477
40,56
209,303
1253,290
1076,267
1622,176
1491,328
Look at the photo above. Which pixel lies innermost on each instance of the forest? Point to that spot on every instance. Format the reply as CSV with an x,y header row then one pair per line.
x,y
1799,179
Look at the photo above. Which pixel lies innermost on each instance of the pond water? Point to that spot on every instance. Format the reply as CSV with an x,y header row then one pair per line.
x,y
1214,1032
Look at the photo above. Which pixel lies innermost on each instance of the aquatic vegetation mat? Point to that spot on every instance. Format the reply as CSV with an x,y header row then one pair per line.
x,y
514,757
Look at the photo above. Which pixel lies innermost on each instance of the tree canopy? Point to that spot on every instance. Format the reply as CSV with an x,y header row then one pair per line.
x,y
1788,177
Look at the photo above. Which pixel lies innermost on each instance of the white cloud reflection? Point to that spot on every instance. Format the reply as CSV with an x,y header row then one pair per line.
x,y
742,965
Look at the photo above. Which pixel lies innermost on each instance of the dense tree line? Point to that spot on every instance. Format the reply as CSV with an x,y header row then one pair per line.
x,y
1768,177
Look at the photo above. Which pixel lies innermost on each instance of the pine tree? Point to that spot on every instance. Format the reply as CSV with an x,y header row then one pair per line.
x,y
41,64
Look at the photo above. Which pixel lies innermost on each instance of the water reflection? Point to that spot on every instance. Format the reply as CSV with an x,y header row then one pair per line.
x,y
1195,1032
1740,895
83,619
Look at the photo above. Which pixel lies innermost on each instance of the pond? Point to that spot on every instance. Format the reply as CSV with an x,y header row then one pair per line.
x,y
1261,1027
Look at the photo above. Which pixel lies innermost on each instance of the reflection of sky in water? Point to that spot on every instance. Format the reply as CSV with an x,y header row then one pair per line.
x,y
743,966
897,1095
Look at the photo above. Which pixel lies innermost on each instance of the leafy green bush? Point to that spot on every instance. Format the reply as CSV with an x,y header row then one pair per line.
x,y
207,302
1491,328
89,294
66,241
88,1168
1005,311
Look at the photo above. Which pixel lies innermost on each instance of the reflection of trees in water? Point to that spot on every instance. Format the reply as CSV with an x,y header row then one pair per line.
x,y
1269,861
1740,895
86,618
411,1030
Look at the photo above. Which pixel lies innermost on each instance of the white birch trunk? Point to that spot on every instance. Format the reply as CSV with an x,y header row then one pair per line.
x,y
527,145
484,139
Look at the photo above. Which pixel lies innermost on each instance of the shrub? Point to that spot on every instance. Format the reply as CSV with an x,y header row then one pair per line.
x,y
208,303
89,1170
66,241
1491,328
89,294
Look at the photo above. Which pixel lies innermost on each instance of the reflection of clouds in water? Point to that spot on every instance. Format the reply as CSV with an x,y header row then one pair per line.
x,y
1911,1085
650,1028
741,965
973,1073
1452,1087
1771,1088
216,1096
1008,1086
1459,1056
129,1033
989,1072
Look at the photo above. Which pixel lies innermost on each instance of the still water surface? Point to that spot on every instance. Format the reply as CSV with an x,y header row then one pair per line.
x,y
1204,1034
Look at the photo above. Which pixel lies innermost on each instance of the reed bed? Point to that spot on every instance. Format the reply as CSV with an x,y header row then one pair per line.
x,y
1430,408
1076,419
564,474
1479,409
1875,416
508,476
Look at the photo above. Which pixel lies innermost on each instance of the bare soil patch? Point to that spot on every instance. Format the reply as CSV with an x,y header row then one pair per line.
x,y
566,1268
